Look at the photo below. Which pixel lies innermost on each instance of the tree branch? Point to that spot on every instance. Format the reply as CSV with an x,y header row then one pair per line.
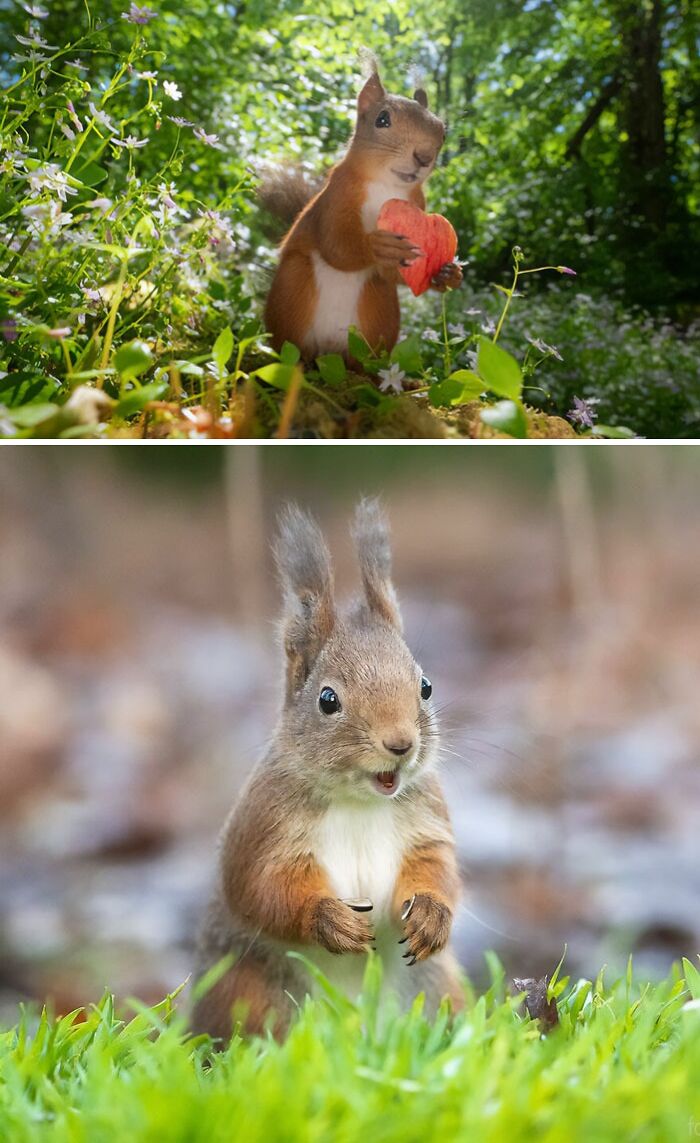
x,y
607,94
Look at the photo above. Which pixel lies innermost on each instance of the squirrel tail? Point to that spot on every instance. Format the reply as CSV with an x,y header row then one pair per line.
x,y
284,191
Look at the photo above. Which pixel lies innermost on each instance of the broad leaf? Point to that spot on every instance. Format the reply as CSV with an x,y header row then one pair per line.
x,y
136,399
278,375
332,368
222,348
507,417
406,354
132,359
499,370
457,389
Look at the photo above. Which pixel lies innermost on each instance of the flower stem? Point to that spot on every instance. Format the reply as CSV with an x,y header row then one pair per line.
x,y
509,299
112,321
448,355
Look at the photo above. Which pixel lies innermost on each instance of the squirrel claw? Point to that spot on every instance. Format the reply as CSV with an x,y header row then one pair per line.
x,y
407,906
358,904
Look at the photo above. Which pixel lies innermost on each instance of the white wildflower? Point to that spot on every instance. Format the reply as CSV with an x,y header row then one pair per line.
x,y
50,177
172,90
102,118
131,142
430,335
392,379
36,41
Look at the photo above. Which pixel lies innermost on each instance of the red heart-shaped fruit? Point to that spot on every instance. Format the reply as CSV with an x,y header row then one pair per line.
x,y
431,232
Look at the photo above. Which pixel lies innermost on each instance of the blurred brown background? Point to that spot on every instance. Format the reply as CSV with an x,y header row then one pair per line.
x,y
551,594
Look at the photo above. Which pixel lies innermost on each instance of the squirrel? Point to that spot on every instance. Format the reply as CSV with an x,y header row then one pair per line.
x,y
341,839
336,268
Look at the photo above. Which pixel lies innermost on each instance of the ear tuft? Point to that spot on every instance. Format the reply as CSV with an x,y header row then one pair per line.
x,y
370,532
304,565
420,97
372,93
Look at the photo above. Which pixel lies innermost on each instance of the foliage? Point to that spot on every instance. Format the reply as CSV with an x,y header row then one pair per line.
x,y
623,1063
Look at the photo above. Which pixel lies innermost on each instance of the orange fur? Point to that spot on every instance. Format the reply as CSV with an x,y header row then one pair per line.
x,y
244,995
332,226
429,869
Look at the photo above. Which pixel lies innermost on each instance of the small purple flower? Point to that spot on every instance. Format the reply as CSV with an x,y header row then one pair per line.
x,y
208,140
583,412
8,328
179,121
137,15
566,270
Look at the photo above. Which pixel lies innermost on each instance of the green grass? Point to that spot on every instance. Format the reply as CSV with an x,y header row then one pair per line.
x,y
624,1064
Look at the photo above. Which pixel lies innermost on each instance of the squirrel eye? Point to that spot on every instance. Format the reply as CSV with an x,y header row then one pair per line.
x,y
426,688
328,701
383,119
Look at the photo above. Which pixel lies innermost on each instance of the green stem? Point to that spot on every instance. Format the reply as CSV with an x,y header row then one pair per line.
x,y
448,355
112,320
506,307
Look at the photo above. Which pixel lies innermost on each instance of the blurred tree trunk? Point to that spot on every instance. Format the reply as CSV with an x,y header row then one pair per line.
x,y
647,178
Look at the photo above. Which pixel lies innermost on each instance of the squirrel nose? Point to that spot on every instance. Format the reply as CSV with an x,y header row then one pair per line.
x,y
399,746
423,158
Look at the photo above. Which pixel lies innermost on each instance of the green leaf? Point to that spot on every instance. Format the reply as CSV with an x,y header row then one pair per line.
x,y
369,397
91,175
457,389
135,400
289,353
406,354
507,417
26,388
499,370
222,348
278,375
692,978
357,346
132,358
613,432
332,368
30,415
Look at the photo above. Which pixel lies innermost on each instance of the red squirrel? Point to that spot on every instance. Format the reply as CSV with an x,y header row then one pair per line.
x,y
336,268
341,840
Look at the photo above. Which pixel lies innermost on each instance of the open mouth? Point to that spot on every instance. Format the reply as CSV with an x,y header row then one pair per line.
x,y
386,782
405,178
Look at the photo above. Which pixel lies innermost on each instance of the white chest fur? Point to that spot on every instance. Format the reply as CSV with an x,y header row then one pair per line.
x,y
339,290
336,308
360,849
377,194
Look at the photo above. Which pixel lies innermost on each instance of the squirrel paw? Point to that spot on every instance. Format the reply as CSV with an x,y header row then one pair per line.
x,y
426,926
448,277
340,928
392,250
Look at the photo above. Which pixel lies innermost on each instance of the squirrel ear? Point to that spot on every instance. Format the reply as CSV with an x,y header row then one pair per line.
x,y
371,535
304,566
420,97
372,92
